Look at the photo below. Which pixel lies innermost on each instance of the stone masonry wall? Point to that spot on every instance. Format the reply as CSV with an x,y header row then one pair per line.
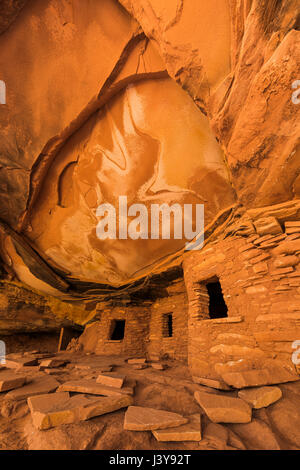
x,y
145,329
175,347
260,278
136,331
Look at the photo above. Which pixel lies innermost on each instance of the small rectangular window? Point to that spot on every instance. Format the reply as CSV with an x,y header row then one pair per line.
x,y
167,325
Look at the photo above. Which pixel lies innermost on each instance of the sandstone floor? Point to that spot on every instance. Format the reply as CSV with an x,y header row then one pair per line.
x,y
274,427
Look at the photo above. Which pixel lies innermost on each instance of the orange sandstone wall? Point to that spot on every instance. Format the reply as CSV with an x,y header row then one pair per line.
x,y
144,327
136,331
260,278
237,60
176,304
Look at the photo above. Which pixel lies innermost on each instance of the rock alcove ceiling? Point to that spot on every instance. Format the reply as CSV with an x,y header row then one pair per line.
x,y
162,103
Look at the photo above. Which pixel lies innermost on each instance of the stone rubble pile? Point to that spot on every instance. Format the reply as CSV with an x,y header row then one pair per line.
x,y
55,409
106,394
141,363
53,404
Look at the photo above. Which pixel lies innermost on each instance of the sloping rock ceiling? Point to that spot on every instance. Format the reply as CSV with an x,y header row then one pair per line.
x,y
175,101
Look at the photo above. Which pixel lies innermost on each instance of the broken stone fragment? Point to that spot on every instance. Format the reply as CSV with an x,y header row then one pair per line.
x,y
138,418
217,384
157,366
222,409
267,226
55,409
137,361
139,366
52,363
115,380
37,386
260,397
93,388
9,381
18,363
186,432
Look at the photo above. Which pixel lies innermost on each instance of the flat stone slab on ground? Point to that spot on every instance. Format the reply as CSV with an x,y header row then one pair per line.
x,y
41,356
142,360
157,366
217,384
37,386
260,397
138,418
91,387
55,409
9,381
52,363
187,432
17,363
139,366
112,380
222,409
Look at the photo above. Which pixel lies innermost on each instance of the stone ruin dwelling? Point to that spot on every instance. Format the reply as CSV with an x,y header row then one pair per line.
x,y
171,102
232,308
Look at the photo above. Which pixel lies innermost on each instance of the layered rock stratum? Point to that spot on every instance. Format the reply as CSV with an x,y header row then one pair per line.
x,y
174,101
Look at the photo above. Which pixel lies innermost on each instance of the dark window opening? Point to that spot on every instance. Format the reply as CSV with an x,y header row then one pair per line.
x,y
117,330
168,325
217,305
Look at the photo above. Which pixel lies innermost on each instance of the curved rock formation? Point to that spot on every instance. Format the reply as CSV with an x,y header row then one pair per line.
x,y
180,102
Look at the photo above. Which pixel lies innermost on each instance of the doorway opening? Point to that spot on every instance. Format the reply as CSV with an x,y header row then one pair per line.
x,y
217,305
117,330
